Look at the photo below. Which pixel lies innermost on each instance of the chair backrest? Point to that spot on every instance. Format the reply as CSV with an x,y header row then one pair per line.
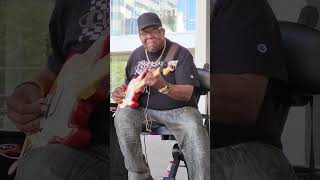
x,y
302,50
204,78
301,46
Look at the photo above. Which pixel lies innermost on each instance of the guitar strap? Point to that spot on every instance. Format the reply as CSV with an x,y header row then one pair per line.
x,y
170,55
172,52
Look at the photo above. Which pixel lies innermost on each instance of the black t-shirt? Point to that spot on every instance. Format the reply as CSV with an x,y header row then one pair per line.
x,y
245,38
184,74
74,26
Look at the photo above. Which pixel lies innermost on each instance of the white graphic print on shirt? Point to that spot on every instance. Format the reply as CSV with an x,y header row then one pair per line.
x,y
143,64
95,21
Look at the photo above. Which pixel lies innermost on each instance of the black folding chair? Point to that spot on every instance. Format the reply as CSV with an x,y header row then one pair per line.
x,y
301,46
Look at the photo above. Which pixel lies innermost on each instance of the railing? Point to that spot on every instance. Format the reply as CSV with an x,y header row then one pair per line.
x,y
3,112
20,67
6,124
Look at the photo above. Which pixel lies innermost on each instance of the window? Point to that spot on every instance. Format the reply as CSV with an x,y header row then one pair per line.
x,y
176,15
117,70
117,2
24,45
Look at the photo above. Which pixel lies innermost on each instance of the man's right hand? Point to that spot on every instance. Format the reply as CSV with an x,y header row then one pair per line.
x,y
25,106
119,93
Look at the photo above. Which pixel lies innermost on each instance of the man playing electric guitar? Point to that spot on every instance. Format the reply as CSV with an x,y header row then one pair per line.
x,y
170,100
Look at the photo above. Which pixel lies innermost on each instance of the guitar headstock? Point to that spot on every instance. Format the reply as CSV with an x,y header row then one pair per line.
x,y
171,66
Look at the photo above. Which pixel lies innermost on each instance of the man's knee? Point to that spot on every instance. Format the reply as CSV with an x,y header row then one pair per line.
x,y
196,137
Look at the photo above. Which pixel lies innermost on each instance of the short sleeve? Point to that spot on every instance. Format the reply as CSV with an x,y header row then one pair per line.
x,y
246,38
186,72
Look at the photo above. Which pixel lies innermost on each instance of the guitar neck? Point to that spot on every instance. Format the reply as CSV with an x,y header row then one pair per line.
x,y
156,72
165,71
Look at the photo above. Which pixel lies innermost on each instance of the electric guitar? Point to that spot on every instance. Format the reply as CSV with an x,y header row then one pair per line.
x,y
72,99
136,86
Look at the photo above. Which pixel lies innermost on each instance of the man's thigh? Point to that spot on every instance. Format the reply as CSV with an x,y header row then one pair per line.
x,y
250,161
189,117
58,162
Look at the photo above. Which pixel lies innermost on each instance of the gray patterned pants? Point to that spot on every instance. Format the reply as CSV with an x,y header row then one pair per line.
x,y
250,161
58,162
184,123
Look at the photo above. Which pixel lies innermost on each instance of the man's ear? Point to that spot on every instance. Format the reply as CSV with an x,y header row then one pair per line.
x,y
163,31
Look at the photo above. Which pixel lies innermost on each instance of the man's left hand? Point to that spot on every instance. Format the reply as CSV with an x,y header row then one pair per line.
x,y
154,79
